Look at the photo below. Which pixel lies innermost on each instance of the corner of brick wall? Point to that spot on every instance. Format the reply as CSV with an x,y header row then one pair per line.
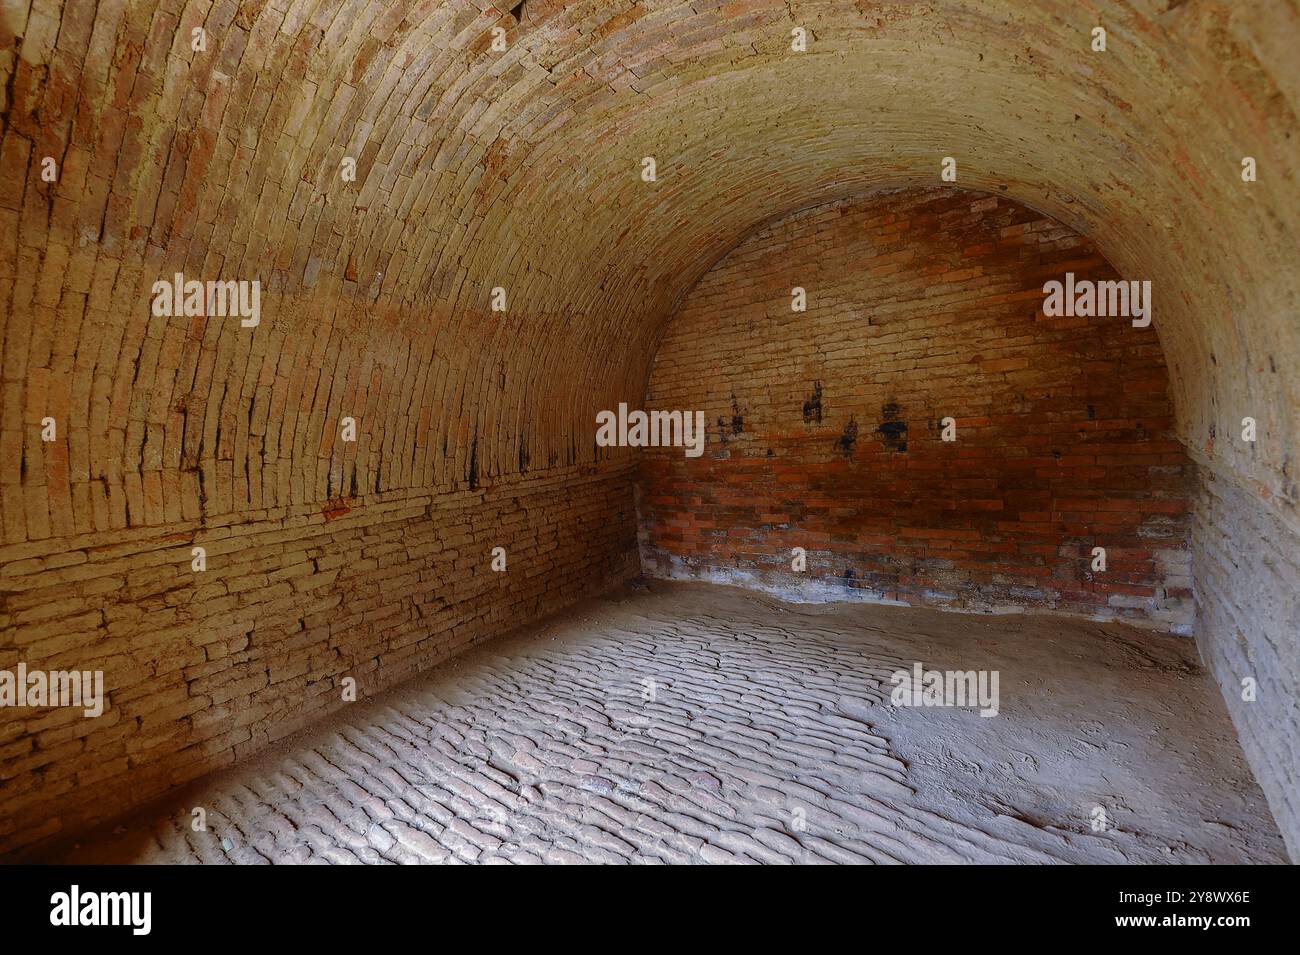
x,y
204,669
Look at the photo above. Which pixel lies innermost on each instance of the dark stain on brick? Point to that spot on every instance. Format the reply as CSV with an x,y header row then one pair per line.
x,y
473,464
737,419
812,408
892,429
846,441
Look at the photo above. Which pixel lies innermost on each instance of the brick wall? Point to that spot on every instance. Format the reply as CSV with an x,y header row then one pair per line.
x,y
1247,570
325,558
824,426
202,669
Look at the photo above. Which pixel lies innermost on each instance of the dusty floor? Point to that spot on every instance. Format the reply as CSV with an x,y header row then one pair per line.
x,y
769,737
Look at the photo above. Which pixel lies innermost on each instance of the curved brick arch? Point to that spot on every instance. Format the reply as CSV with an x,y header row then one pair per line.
x,y
519,169
478,168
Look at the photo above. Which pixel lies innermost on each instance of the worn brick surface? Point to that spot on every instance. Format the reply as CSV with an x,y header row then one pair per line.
x,y
698,724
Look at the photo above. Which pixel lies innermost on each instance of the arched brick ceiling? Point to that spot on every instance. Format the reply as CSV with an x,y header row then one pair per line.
x,y
521,169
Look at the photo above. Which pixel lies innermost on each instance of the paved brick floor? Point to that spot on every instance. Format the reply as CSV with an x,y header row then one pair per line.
x,y
689,723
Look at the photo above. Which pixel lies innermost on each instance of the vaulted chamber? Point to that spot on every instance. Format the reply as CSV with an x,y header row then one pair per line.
x,y
460,262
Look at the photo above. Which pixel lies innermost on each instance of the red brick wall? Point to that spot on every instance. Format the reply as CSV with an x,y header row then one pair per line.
x,y
824,426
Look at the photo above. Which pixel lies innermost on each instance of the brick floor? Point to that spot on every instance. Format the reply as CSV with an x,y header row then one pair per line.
x,y
691,723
